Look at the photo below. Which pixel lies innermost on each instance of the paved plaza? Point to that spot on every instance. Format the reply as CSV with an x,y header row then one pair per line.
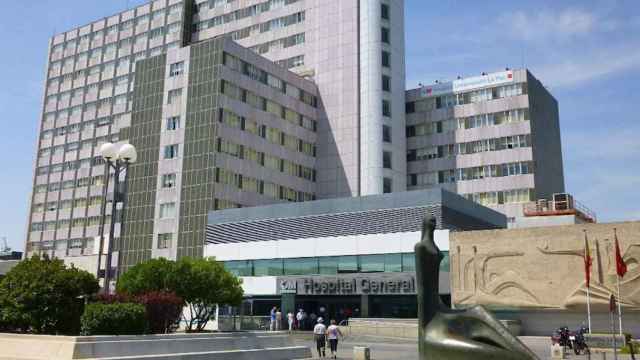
x,y
403,349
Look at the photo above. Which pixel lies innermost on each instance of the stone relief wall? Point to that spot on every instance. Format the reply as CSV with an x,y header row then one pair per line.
x,y
542,268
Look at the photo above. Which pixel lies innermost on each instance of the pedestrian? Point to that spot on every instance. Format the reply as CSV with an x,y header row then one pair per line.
x,y
290,319
278,319
319,334
312,318
299,317
272,317
332,334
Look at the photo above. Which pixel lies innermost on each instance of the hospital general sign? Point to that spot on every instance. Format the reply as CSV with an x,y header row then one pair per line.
x,y
397,284
471,83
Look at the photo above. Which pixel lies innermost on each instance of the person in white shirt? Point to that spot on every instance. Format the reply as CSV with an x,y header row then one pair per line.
x,y
290,318
332,334
319,334
300,317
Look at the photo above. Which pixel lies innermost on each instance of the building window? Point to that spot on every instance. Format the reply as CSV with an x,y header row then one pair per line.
x,y
386,108
386,83
386,59
167,210
176,69
173,123
410,107
171,151
385,35
386,159
168,181
164,240
384,11
387,185
174,96
386,133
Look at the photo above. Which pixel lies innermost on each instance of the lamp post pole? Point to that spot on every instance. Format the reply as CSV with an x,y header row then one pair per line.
x,y
119,159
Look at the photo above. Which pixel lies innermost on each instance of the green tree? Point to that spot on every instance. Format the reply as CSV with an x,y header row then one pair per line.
x,y
45,296
202,283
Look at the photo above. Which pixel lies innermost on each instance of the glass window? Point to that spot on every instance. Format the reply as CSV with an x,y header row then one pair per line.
x,y
347,264
167,210
164,240
445,263
386,83
387,185
173,123
384,11
386,159
168,181
301,266
171,151
371,263
386,108
239,267
267,267
328,265
408,262
393,262
385,35
176,69
386,133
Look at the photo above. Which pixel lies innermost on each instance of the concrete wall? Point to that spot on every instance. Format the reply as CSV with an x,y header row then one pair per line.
x,y
542,269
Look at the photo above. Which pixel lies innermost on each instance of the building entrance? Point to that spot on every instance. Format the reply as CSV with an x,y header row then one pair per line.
x,y
338,308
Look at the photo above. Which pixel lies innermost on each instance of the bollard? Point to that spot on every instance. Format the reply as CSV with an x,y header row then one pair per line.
x,y
361,353
557,352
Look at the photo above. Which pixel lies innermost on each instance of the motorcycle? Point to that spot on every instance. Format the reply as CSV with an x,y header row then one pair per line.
x,y
562,336
578,342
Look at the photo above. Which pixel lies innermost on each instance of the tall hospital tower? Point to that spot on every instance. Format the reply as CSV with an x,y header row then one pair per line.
x,y
242,103
230,103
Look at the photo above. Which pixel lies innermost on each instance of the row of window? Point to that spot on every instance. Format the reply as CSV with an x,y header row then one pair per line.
x,y
282,43
495,144
68,204
271,162
329,265
70,184
291,62
244,12
67,223
470,97
471,122
111,51
255,29
273,81
513,196
272,135
70,165
78,246
274,191
470,173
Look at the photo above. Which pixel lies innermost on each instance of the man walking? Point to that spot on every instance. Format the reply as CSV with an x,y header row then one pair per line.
x,y
319,335
272,323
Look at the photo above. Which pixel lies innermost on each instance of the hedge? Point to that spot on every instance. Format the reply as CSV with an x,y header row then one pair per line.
x,y
114,319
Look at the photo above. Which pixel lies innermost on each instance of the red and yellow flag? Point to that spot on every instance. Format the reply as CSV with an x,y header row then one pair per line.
x,y
587,260
621,267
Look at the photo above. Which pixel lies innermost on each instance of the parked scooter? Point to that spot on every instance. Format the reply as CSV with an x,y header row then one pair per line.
x,y
578,341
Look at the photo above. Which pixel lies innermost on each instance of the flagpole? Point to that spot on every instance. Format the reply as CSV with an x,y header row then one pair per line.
x,y
589,308
587,259
615,235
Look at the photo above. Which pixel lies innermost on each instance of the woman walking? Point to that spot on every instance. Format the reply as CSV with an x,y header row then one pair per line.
x,y
332,334
319,334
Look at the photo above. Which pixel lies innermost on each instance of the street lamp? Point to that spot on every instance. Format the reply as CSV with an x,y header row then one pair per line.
x,y
118,158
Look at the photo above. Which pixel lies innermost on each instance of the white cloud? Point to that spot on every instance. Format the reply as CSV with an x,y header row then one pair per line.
x,y
547,25
589,64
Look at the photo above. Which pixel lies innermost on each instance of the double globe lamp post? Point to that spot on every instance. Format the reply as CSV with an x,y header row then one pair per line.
x,y
118,158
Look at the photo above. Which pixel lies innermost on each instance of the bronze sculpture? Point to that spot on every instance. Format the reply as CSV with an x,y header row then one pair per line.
x,y
445,333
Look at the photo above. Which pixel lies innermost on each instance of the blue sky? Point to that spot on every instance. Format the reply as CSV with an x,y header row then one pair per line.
x,y
586,52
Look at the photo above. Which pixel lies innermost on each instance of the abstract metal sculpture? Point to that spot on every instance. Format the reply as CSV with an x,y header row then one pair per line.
x,y
444,333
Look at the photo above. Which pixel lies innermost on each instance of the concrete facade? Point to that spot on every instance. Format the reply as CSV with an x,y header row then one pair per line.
x,y
538,273
494,138
353,51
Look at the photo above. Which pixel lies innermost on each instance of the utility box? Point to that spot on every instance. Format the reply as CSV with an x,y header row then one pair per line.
x,y
361,353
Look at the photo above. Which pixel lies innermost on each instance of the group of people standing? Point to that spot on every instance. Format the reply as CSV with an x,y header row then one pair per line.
x,y
321,333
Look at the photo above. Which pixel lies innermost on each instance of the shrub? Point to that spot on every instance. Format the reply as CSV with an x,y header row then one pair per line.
x,y
44,296
163,310
114,319
201,283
